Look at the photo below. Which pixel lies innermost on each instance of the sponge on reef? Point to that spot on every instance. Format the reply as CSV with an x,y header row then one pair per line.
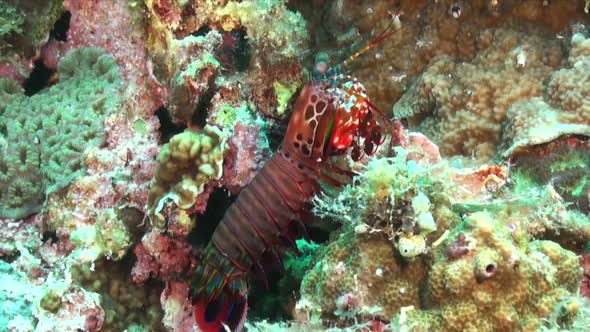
x,y
43,137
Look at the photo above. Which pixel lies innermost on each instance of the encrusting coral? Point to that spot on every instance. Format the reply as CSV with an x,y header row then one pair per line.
x,y
497,283
462,106
44,137
564,110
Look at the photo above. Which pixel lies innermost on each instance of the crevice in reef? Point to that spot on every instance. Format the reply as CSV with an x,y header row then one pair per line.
x,y
218,203
61,27
201,31
199,117
167,127
39,79
234,50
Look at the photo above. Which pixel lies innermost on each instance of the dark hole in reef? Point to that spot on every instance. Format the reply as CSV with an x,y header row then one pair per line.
x,y
61,27
39,79
491,268
202,31
11,257
49,236
167,127
276,131
199,117
3,167
219,201
22,155
234,50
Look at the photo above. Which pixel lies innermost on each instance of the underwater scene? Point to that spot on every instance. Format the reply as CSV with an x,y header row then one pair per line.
x,y
294,165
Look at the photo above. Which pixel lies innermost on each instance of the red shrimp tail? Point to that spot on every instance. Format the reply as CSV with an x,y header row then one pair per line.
x,y
225,313
220,295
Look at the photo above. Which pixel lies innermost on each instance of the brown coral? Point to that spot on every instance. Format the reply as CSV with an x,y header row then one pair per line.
x,y
497,286
462,106
565,110
358,266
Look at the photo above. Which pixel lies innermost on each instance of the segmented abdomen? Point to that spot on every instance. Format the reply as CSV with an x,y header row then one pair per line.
x,y
264,210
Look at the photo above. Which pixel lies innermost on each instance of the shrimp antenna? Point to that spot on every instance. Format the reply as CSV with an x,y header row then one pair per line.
x,y
393,27
389,31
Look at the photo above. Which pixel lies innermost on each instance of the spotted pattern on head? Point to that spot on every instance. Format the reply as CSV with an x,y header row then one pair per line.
x,y
315,106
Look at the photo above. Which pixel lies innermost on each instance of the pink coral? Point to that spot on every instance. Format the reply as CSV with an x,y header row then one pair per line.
x,y
121,36
17,69
245,158
177,307
79,311
162,257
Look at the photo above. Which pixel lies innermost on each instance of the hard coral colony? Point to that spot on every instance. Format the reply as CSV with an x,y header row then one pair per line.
x,y
139,190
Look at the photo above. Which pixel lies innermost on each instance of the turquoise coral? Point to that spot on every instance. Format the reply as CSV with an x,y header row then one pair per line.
x,y
43,137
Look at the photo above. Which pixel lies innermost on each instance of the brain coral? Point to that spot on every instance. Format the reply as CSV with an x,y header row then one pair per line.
x,y
43,137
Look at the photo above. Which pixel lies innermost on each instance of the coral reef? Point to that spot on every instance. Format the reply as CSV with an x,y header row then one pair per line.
x,y
458,100
493,99
128,127
565,110
44,137
408,234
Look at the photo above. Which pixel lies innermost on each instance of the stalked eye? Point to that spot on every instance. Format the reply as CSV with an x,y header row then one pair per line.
x,y
369,147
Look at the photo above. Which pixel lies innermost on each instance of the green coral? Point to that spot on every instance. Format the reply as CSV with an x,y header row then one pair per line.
x,y
284,94
43,137
11,20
